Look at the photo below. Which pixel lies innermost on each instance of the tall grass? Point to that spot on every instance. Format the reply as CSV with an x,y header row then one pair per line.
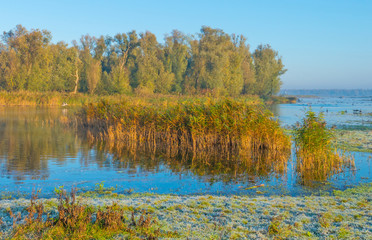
x,y
317,158
203,128
29,98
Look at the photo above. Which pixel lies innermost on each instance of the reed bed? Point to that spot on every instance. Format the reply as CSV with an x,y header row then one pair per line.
x,y
317,157
204,128
28,98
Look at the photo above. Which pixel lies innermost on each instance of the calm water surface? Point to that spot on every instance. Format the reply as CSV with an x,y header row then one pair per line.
x,y
37,152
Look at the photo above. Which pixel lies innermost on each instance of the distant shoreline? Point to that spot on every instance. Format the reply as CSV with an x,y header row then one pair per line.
x,y
328,92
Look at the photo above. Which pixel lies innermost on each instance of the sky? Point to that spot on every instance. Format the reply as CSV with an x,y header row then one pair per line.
x,y
323,43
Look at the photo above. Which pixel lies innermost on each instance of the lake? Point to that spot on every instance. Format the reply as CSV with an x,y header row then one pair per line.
x,y
38,152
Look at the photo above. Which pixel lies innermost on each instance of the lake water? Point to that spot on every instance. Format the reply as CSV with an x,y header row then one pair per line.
x,y
37,152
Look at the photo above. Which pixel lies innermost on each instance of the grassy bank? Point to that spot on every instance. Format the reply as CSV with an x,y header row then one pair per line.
x,y
203,127
344,215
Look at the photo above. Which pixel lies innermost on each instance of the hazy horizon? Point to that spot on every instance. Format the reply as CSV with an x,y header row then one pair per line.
x,y
323,44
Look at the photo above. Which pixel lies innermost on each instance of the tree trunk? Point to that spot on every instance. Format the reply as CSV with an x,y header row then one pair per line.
x,y
76,80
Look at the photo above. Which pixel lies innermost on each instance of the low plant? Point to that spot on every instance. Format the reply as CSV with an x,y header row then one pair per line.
x,y
77,221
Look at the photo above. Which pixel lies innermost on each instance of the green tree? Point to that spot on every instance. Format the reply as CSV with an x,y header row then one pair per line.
x,y
91,53
63,66
116,74
268,69
215,63
176,57
247,67
233,73
10,77
152,75
28,59
212,62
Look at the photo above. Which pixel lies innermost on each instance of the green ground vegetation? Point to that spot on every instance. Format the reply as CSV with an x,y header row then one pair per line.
x,y
343,215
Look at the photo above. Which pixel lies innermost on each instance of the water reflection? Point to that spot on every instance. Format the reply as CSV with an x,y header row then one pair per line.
x,y
37,150
211,169
29,138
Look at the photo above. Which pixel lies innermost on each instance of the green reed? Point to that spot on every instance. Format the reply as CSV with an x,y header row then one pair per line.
x,y
317,157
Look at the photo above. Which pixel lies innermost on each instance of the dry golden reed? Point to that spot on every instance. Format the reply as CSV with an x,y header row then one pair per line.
x,y
207,128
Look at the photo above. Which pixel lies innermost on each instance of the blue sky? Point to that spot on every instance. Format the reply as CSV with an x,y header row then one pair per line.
x,y
323,43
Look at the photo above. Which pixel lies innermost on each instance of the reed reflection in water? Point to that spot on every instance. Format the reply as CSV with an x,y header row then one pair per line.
x,y
34,145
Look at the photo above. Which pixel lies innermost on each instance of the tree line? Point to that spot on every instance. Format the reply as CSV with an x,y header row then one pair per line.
x,y
212,61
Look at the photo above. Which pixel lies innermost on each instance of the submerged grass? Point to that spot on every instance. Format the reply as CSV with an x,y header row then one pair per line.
x,y
354,140
203,127
317,157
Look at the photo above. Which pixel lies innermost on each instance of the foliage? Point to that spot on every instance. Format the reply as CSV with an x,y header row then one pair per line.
x,y
268,69
317,158
213,62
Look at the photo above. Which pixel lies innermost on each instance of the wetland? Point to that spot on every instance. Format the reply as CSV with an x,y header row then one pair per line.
x,y
153,182
38,151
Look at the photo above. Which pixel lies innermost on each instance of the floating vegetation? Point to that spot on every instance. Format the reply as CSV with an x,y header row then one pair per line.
x,y
317,158
354,140
203,129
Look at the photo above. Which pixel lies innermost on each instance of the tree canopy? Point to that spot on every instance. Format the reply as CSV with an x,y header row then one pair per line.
x,y
209,62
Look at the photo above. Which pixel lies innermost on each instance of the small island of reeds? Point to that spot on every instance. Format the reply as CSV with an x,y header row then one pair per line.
x,y
226,128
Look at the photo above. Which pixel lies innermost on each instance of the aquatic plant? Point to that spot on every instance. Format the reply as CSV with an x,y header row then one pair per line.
x,y
317,158
203,128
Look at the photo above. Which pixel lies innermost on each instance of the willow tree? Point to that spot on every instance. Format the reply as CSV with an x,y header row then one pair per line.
x,y
247,66
64,68
176,58
27,65
91,53
10,65
152,75
214,45
216,62
268,69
